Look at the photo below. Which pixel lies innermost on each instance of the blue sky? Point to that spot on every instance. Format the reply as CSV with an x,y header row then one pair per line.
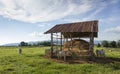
x,y
27,20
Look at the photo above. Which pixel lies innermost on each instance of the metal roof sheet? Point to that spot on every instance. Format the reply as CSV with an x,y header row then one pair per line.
x,y
81,28
85,26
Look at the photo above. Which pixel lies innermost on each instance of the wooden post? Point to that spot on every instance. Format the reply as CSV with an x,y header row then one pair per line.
x,y
57,41
65,56
61,42
91,48
51,45
71,41
64,41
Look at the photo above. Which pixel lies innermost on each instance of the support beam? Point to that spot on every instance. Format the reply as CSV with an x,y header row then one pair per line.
x,y
61,42
71,42
91,48
51,45
57,41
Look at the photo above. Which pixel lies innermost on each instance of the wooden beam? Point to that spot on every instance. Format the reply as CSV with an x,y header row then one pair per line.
x,y
61,42
51,45
91,48
71,41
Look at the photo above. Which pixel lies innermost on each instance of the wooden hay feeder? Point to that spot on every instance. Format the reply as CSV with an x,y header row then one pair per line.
x,y
70,35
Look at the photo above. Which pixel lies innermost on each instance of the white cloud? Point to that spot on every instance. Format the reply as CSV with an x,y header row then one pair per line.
x,y
112,20
39,35
36,34
43,24
114,1
43,10
113,30
97,7
92,16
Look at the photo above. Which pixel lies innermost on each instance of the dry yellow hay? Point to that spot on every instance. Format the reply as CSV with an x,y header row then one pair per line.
x,y
80,47
66,49
67,44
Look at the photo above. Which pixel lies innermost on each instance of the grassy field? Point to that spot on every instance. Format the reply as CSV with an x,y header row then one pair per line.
x,y
32,62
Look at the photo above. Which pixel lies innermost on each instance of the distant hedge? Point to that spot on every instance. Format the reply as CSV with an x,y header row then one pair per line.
x,y
113,44
44,43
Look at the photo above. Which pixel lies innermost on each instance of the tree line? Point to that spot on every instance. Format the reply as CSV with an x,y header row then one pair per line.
x,y
113,44
105,43
44,43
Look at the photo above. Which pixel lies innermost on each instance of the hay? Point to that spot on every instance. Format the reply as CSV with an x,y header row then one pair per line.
x,y
67,44
66,49
76,49
80,47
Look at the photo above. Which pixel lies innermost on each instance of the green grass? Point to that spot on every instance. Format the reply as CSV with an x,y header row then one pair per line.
x,y
114,54
32,62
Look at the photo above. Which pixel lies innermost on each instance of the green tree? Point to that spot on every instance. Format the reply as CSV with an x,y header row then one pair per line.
x,y
98,45
23,43
105,43
45,43
118,43
113,44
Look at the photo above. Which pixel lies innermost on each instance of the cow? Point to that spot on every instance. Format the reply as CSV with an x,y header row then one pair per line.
x,y
100,53
61,54
20,51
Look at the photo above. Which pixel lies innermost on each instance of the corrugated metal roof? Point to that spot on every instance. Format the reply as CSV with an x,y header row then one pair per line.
x,y
85,26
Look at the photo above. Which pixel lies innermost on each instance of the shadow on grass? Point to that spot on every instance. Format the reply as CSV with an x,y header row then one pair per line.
x,y
116,66
98,60
104,60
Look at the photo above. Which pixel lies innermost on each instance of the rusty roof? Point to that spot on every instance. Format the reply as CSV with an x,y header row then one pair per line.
x,y
84,28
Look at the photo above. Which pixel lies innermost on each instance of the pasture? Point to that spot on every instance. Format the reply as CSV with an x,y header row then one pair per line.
x,y
31,61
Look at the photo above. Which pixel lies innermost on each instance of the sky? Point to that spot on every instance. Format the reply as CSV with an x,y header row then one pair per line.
x,y
27,20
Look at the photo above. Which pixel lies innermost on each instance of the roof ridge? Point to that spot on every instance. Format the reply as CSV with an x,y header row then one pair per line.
x,y
77,22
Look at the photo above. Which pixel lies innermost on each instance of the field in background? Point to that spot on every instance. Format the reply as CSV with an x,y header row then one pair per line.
x,y
32,62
